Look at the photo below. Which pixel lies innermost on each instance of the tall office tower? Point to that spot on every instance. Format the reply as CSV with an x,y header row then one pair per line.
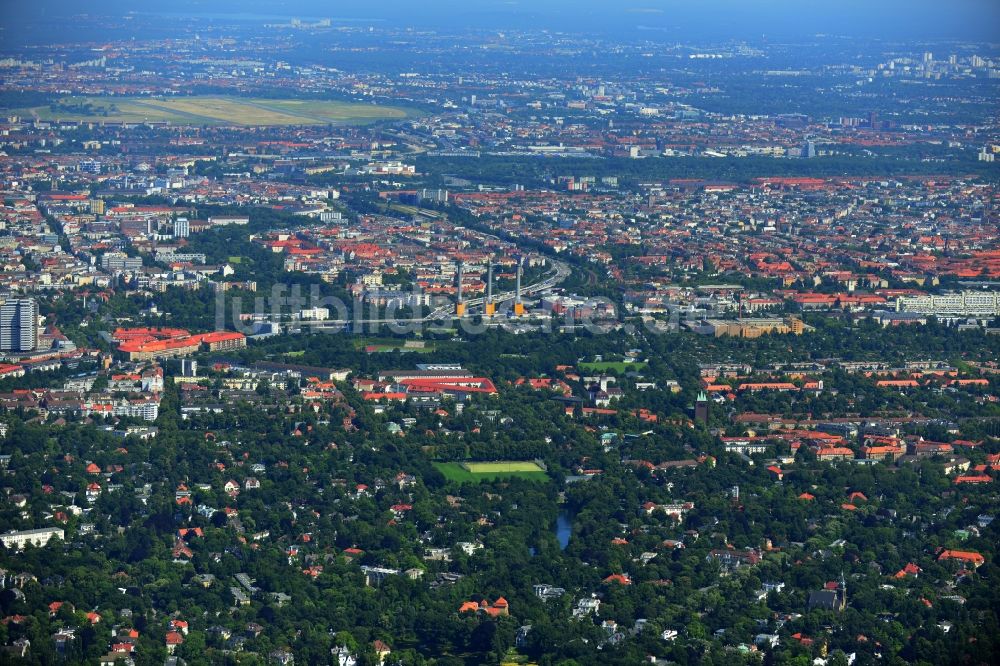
x,y
809,149
19,325
182,228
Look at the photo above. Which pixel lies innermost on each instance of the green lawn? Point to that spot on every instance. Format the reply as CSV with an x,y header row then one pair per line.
x,y
213,110
454,471
618,366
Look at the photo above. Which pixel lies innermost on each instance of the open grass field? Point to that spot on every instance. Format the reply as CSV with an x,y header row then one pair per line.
x,y
474,472
617,366
213,110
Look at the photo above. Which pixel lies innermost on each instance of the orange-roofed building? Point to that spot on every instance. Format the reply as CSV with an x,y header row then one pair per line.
x,y
973,479
768,386
834,453
377,396
964,556
883,452
496,609
8,370
897,383
969,382
172,640
222,340
148,350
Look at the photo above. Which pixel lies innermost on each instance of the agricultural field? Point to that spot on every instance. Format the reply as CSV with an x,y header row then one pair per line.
x,y
213,110
488,471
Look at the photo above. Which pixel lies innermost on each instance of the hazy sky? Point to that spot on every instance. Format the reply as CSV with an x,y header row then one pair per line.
x,y
896,19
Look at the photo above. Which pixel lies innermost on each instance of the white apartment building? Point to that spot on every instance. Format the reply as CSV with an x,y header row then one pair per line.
x,y
970,303
38,537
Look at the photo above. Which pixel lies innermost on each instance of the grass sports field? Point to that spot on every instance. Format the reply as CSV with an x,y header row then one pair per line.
x,y
379,345
213,110
475,471
509,466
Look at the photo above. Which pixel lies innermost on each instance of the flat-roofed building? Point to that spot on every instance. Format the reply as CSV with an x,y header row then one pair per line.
x,y
972,303
749,328
38,537
19,325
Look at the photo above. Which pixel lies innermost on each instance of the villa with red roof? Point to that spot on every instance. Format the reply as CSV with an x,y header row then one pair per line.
x,y
963,556
495,609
